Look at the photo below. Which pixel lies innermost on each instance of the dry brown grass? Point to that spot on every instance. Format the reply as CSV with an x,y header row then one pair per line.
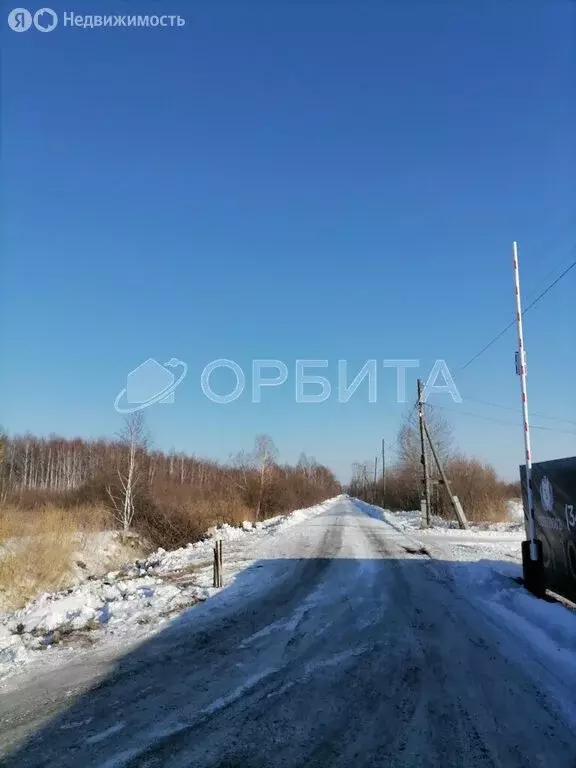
x,y
483,496
38,551
37,548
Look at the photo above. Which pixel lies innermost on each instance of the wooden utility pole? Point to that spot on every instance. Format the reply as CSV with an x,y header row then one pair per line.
x,y
424,456
454,500
383,469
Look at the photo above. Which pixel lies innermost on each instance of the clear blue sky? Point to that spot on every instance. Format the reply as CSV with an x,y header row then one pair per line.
x,y
289,180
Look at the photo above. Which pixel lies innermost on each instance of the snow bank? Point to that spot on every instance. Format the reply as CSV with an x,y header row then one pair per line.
x,y
135,601
516,511
411,520
445,541
98,553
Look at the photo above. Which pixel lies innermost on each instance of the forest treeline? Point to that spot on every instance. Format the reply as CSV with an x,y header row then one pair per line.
x,y
169,497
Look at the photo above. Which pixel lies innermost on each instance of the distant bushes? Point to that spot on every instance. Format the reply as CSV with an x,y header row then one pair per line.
x,y
483,495
171,515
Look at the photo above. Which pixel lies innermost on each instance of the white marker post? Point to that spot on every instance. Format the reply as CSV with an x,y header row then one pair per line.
x,y
533,575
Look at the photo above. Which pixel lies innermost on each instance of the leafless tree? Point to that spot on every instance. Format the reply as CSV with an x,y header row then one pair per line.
x,y
265,454
244,466
360,478
408,440
134,437
308,466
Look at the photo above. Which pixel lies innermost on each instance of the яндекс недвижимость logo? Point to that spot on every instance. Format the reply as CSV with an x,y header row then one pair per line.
x,y
46,20
21,19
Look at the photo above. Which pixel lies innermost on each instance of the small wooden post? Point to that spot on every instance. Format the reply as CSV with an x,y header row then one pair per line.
x,y
220,563
218,575
218,569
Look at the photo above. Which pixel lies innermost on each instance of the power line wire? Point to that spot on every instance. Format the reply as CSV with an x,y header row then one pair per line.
x,y
500,421
566,221
549,274
517,410
528,308
549,288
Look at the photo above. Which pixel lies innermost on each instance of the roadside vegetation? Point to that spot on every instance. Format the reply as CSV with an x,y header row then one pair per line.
x,y
57,496
484,496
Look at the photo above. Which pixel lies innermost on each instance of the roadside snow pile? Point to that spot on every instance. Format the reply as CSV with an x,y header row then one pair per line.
x,y
411,520
445,541
117,604
98,553
516,511
136,600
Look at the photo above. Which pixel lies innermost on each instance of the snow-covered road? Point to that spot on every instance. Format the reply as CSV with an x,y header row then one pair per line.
x,y
340,646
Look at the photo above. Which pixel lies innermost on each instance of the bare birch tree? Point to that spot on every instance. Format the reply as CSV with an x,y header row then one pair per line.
x,y
135,438
265,454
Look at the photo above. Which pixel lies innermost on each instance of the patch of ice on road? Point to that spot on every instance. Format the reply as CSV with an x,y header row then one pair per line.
x,y
172,726
282,625
120,759
313,667
282,690
336,660
76,724
98,737
291,622
237,693
287,624
525,621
